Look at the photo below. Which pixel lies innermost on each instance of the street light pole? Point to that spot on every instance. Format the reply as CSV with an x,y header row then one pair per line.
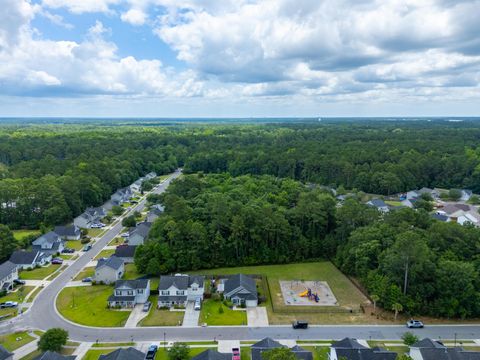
x,y
164,340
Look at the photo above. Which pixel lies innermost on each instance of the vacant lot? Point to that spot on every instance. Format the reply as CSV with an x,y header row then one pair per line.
x,y
87,305
38,273
212,315
86,272
347,294
13,341
161,317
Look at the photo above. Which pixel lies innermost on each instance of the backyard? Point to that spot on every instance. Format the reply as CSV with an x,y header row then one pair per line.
x,y
158,317
212,315
38,273
87,305
21,234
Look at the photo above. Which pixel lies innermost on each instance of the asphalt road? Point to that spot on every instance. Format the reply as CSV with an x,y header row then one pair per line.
x,y
43,315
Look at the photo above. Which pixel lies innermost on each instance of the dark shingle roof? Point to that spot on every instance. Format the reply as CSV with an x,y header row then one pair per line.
x,y
428,343
241,280
121,298
267,343
6,269
49,238
112,262
50,355
142,229
133,284
123,354
377,203
449,354
21,257
440,217
69,230
365,354
211,354
176,298
348,343
181,282
4,353
125,251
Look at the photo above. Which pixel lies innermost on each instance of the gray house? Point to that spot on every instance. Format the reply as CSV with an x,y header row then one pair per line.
x,y
211,354
50,355
109,270
179,289
139,234
241,290
5,354
124,354
126,253
121,196
151,175
129,293
89,217
348,348
428,349
8,273
29,259
153,214
49,243
69,232
379,204
269,344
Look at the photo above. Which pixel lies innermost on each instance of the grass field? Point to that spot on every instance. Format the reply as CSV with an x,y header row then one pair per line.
x,y
21,234
393,203
117,241
211,315
86,272
74,244
95,354
17,295
38,273
87,305
161,317
94,232
105,254
346,293
131,272
16,340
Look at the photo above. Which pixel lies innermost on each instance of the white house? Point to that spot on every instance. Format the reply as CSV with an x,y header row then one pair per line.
x,y
428,349
49,243
29,259
138,235
179,289
129,293
89,217
69,232
8,273
109,270
379,204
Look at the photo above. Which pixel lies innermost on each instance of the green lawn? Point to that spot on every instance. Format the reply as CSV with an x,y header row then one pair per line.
x,y
66,256
211,315
94,232
393,203
74,244
161,317
105,254
162,353
21,234
18,295
87,305
86,272
95,354
113,344
38,273
36,353
346,293
131,273
13,341
34,294
116,241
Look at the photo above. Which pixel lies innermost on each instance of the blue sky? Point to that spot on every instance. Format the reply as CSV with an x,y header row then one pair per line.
x,y
167,58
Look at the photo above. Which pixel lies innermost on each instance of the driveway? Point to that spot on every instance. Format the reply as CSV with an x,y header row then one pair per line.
x,y
257,316
191,316
136,315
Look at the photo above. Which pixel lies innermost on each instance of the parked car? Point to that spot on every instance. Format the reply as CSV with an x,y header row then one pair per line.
x,y
87,279
8,304
152,350
236,354
87,247
68,251
95,226
414,324
198,304
124,235
299,324
57,261
146,306
19,282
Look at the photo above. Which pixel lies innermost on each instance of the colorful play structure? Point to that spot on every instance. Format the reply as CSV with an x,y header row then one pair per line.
x,y
308,293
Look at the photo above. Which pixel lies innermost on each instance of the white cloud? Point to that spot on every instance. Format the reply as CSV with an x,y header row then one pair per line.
x,y
81,6
134,17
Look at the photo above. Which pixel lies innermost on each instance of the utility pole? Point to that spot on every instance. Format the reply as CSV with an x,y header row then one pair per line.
x,y
406,278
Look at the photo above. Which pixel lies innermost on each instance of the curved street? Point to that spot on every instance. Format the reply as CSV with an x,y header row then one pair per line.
x,y
43,315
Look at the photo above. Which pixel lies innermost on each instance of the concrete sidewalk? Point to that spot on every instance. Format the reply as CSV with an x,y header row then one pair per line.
x,y
82,350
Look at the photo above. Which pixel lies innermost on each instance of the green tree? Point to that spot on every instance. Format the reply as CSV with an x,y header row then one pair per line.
x,y
129,221
7,243
179,351
409,338
375,298
53,340
278,354
117,210
397,307
455,194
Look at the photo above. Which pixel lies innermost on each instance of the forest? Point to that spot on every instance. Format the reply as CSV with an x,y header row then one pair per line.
x,y
220,220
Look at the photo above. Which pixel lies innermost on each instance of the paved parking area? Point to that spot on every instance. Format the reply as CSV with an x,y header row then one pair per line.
x,y
191,316
226,346
257,316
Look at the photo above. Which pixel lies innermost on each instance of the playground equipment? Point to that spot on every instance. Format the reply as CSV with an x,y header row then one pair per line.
x,y
311,296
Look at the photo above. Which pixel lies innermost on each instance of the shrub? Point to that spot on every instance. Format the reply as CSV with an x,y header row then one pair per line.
x,y
409,338
85,240
216,297
220,309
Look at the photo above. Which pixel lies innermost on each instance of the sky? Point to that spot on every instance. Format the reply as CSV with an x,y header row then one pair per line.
x,y
239,58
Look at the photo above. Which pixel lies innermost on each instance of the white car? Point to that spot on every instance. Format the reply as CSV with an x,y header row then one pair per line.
x,y
124,235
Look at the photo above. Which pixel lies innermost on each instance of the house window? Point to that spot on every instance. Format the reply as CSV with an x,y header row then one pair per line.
x,y
140,291
130,292
180,292
165,292
194,288
118,292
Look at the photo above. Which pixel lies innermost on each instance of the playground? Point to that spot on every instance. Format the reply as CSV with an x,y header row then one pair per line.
x,y
307,293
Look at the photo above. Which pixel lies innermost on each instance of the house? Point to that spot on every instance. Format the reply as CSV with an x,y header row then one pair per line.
x,y
151,175
428,349
8,273
466,194
128,293
126,253
154,213
434,193
124,354
211,354
137,185
139,234
90,216
109,270
441,217
351,349
121,196
5,354
158,207
179,289
460,213
69,232
50,355
379,204
241,290
410,202
413,194
269,344
29,259
49,243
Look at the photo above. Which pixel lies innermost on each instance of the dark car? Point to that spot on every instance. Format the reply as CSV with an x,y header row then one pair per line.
x,y
87,280
19,282
68,251
414,324
87,247
152,350
57,261
300,324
